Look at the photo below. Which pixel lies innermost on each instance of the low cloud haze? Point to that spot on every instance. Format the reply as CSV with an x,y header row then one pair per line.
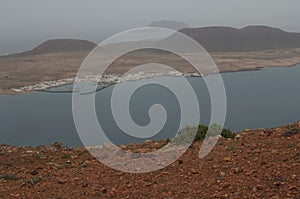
x,y
25,24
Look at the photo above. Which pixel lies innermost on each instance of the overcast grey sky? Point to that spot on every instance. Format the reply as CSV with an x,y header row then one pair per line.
x,y
26,23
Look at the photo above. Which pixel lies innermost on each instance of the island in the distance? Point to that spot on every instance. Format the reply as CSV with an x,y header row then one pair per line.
x,y
56,62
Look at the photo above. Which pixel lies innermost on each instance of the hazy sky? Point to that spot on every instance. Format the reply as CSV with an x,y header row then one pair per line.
x,y
26,23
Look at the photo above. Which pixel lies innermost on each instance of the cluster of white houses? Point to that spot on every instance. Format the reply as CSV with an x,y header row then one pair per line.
x,y
104,80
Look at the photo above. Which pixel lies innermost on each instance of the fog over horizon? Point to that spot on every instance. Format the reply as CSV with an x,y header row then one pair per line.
x,y
25,24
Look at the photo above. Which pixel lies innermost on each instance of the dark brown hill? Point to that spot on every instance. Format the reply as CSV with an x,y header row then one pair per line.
x,y
251,38
60,45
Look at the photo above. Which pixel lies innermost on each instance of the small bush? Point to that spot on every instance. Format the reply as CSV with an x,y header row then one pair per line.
x,y
291,132
66,156
201,132
185,135
214,130
226,133
9,177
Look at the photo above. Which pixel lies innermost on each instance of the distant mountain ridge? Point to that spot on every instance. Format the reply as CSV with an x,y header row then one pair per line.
x,y
213,39
175,25
60,45
251,38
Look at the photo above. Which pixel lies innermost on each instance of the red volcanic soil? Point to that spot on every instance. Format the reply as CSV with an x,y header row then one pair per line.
x,y
262,163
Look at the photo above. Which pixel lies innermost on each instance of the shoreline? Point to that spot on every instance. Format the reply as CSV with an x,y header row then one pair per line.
x,y
245,130
113,79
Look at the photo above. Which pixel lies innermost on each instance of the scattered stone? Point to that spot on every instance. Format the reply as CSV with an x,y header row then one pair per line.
x,y
297,125
120,152
275,197
227,159
238,170
194,171
293,188
61,180
277,184
35,172
104,191
30,182
255,169
68,162
148,142
135,155
57,146
250,172
83,152
222,174
84,165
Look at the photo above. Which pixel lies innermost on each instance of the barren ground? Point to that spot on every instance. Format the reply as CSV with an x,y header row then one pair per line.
x,y
18,71
262,163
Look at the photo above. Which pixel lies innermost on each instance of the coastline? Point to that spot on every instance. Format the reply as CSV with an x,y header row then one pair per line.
x,y
49,68
112,79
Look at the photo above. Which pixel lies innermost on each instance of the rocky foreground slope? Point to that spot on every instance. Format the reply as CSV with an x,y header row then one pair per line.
x,y
262,163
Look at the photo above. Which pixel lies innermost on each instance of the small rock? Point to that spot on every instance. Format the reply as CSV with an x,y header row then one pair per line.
x,y
84,165
227,159
148,142
293,188
274,151
277,184
250,172
194,171
61,180
238,170
148,184
68,162
135,155
226,185
104,191
298,124
35,172
275,197
120,153
30,182
259,187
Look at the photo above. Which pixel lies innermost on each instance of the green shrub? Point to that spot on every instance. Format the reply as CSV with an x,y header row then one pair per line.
x,y
9,177
201,132
214,130
226,133
185,135
66,156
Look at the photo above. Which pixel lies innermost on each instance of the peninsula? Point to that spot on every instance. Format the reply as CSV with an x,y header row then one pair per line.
x,y
56,62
